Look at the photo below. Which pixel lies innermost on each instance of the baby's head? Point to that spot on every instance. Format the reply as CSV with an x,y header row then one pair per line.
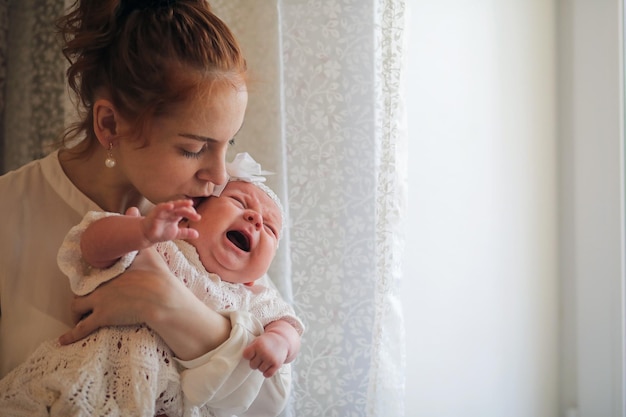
x,y
240,228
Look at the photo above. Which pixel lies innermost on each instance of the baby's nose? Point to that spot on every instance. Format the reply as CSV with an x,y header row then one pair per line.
x,y
254,218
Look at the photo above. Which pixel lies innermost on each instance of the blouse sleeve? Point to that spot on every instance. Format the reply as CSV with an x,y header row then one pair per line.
x,y
83,277
223,381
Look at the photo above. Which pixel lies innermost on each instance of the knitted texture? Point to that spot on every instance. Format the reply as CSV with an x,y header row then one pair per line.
x,y
125,370
116,371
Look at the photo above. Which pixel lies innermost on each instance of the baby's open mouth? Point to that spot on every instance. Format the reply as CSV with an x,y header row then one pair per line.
x,y
239,239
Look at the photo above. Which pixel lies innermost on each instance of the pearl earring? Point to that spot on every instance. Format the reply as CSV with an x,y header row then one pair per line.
x,y
110,161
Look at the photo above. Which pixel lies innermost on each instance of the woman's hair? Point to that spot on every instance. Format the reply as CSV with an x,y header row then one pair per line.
x,y
146,56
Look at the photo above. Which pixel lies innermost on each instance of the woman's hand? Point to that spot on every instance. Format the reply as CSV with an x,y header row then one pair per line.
x,y
149,293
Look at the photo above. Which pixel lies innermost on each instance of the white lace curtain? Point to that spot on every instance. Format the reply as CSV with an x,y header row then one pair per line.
x,y
325,114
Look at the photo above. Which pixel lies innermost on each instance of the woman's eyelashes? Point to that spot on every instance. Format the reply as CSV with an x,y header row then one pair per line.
x,y
190,154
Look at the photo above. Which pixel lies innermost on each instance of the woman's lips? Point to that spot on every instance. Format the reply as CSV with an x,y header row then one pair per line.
x,y
197,200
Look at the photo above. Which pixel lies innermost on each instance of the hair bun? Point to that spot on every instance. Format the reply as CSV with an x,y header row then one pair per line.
x,y
129,6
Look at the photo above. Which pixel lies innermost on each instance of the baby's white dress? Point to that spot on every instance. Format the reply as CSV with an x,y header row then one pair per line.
x,y
128,370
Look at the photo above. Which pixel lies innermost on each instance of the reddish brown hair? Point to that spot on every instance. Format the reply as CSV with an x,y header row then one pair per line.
x,y
147,56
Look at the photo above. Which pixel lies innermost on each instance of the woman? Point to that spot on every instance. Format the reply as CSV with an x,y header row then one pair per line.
x,y
161,86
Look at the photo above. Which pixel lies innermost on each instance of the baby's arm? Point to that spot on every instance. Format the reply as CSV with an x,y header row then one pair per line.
x,y
278,345
109,238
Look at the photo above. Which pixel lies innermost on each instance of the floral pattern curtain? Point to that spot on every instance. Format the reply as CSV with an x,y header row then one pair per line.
x,y
325,114
33,96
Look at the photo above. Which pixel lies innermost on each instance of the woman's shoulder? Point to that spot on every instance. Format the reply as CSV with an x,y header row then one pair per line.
x,y
30,172
40,184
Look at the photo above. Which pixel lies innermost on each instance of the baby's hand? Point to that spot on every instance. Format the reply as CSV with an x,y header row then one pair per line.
x,y
163,221
267,353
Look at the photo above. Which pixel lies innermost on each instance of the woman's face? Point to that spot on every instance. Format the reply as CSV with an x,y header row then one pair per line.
x,y
184,155
239,232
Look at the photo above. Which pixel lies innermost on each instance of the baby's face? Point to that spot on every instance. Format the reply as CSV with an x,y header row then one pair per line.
x,y
239,232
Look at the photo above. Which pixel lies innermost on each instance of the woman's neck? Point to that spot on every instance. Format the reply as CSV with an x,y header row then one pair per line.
x,y
107,187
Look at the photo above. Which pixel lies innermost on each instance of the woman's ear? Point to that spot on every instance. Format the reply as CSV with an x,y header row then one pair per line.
x,y
105,121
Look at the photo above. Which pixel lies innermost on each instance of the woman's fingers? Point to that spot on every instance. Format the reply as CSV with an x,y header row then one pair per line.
x,y
83,328
80,308
86,322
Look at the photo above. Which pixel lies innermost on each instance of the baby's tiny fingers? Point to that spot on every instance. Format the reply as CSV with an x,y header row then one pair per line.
x,y
270,372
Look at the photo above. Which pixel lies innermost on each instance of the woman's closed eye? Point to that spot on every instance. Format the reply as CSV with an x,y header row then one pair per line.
x,y
191,154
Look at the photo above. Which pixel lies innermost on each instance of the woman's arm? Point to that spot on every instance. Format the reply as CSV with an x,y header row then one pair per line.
x,y
148,293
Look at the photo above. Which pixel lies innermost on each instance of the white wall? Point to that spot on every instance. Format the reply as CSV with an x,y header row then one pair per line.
x,y
481,282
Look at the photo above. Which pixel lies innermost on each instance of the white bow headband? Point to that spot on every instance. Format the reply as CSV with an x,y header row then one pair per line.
x,y
245,168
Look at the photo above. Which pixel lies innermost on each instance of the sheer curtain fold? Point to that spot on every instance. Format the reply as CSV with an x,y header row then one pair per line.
x,y
386,380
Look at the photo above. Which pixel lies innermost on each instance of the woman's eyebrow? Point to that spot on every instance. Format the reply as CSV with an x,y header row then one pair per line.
x,y
206,138
197,137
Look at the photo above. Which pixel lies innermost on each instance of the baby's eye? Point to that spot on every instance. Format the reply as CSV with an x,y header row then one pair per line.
x,y
238,200
271,229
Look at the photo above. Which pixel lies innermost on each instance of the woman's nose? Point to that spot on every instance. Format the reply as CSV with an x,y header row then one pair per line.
x,y
254,218
214,170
